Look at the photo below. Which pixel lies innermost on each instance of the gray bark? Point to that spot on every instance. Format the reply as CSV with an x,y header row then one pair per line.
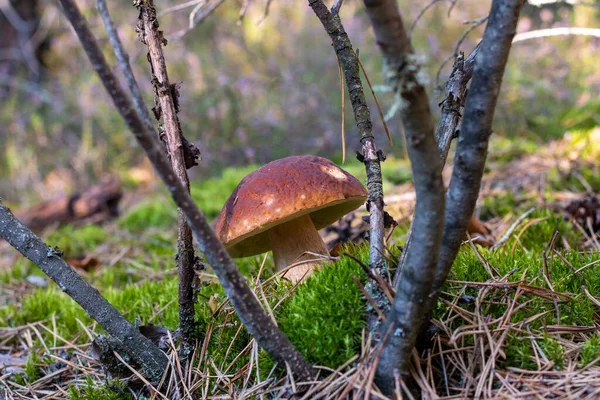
x,y
473,139
404,76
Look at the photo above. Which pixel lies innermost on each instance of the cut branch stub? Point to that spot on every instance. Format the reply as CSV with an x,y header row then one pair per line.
x,y
281,206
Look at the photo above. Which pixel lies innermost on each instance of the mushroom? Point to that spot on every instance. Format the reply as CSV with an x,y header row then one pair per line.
x,y
282,205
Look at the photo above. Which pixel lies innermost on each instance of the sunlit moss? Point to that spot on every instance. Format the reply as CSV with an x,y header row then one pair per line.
x,y
325,316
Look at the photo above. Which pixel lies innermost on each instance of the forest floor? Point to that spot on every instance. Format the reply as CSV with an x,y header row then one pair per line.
x,y
518,317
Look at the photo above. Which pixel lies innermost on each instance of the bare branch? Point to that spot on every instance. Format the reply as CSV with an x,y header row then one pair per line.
x,y
403,74
255,319
565,31
49,260
473,140
452,105
349,61
474,24
335,8
191,153
166,107
198,14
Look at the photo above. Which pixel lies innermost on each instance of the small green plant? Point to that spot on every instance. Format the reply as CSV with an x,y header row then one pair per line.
x,y
91,390
590,351
553,350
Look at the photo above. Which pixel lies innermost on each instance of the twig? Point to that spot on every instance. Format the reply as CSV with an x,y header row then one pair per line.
x,y
335,8
512,228
474,24
49,260
565,31
194,19
251,314
191,153
452,105
167,108
371,157
343,109
266,13
420,15
403,74
385,127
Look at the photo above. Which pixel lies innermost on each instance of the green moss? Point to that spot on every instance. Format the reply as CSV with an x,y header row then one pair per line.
x,y
590,350
210,195
553,350
77,240
157,213
325,317
111,390
527,263
498,205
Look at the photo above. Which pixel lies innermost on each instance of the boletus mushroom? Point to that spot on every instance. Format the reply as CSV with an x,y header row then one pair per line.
x,y
282,205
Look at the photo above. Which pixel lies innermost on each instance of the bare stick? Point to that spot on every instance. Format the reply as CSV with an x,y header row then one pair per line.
x,y
452,105
362,115
49,260
249,310
563,31
167,109
471,153
403,75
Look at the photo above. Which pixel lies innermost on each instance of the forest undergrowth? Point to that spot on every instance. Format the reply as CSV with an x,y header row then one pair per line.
x,y
518,317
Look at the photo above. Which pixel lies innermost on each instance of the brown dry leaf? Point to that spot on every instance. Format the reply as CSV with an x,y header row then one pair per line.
x,y
480,234
212,303
86,263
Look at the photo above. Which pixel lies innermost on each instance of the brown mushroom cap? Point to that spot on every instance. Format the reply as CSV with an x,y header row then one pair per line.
x,y
281,191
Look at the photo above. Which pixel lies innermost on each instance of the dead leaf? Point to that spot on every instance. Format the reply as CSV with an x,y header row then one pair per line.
x,y
86,263
480,234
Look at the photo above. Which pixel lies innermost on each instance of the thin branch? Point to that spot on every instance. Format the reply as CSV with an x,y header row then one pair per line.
x,y
385,127
167,108
541,3
335,8
565,31
404,75
420,15
371,157
196,17
124,64
49,260
341,73
249,310
191,153
474,24
471,153
452,105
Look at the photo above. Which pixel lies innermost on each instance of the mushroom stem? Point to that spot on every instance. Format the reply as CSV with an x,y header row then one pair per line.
x,y
290,241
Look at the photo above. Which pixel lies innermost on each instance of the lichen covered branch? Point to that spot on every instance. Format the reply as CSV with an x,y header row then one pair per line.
x,y
49,260
371,157
248,308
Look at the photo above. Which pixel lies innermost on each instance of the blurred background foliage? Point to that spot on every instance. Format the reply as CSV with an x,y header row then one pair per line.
x,y
257,87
